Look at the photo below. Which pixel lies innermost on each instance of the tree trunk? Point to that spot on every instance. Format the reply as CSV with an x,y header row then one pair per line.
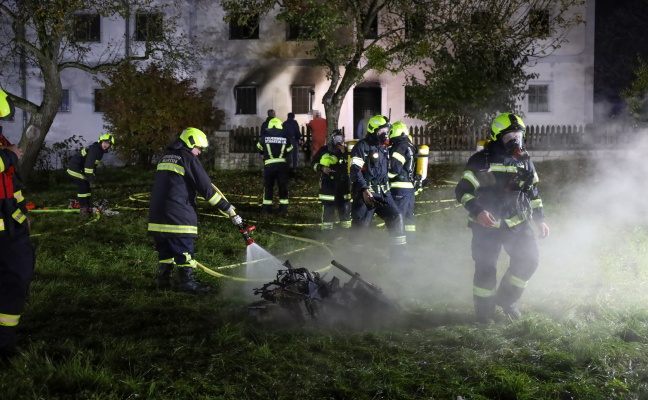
x,y
34,136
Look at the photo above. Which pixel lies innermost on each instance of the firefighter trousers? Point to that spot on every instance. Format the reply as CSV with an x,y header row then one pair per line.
x,y
83,192
278,173
361,217
343,208
16,273
404,199
175,250
519,243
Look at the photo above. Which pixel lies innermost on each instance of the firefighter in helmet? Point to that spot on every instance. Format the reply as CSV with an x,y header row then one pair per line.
x,y
499,190
275,147
370,188
173,221
402,159
18,259
330,161
82,168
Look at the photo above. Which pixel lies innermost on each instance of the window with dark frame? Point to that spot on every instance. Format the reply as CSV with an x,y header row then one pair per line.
x,y
249,30
481,18
538,98
539,22
412,106
64,105
296,31
301,99
87,28
414,26
373,29
149,27
99,100
246,100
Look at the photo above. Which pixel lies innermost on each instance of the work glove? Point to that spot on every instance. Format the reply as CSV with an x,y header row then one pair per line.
x,y
368,198
237,220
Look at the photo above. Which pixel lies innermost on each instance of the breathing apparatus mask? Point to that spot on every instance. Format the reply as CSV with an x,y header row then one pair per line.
x,y
382,135
513,143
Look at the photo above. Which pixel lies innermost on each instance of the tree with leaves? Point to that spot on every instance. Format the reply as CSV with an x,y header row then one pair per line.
x,y
455,39
40,36
636,96
146,109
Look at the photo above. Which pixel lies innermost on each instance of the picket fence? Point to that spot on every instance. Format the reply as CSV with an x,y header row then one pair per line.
x,y
538,137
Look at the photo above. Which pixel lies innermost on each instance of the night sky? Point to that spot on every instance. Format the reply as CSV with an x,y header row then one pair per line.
x,y
621,36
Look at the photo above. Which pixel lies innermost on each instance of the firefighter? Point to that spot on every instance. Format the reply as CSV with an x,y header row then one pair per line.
x,y
370,185
18,259
275,148
82,168
499,189
173,221
402,158
331,163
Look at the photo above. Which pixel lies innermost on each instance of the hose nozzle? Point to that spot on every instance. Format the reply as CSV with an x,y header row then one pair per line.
x,y
245,232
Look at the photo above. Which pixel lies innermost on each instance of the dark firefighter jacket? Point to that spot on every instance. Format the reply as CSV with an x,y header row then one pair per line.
x,y
83,164
402,156
274,146
500,184
337,181
13,213
369,165
179,179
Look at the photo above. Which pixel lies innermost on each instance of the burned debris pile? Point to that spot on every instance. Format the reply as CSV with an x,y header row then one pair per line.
x,y
299,296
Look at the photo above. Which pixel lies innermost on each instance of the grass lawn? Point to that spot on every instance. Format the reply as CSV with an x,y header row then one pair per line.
x,y
95,327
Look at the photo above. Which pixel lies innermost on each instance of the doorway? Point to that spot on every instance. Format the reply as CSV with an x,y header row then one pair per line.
x,y
366,96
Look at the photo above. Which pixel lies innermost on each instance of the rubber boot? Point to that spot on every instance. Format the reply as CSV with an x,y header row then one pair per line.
x,y
188,281
283,209
507,297
484,309
164,276
266,209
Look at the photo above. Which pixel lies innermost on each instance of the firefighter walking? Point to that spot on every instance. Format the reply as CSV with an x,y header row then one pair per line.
x,y
331,163
18,259
402,158
499,189
82,168
370,186
275,148
173,221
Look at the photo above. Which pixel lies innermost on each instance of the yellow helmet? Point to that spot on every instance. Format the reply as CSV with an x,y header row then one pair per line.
x,y
5,107
398,129
275,123
107,137
505,123
377,122
194,137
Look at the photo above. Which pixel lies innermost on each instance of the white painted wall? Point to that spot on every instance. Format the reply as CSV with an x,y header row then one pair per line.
x,y
273,64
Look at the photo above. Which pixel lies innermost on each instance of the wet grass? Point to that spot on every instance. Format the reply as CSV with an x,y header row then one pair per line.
x,y
95,328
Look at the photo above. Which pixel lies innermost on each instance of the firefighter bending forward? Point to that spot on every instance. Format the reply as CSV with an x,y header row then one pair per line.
x,y
18,260
499,189
370,186
173,221
82,168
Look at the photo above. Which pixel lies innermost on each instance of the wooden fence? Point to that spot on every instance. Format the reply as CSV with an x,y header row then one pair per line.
x,y
545,137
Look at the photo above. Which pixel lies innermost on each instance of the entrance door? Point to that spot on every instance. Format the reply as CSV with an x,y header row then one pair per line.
x,y
365,97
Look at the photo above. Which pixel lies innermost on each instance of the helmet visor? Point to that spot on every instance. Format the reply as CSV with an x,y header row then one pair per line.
x,y
517,135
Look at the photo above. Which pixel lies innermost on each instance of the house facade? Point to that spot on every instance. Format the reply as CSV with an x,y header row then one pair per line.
x,y
267,69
